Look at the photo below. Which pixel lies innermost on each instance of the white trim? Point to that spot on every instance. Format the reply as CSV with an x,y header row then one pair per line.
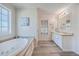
x,y
9,21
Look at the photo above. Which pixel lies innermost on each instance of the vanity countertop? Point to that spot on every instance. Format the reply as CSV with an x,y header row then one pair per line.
x,y
65,33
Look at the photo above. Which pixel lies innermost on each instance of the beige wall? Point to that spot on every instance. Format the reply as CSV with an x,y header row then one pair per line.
x,y
12,23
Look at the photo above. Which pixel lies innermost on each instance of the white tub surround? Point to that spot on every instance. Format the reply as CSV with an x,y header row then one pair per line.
x,y
13,47
28,49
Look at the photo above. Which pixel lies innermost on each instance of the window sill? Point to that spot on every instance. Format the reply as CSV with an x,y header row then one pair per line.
x,y
4,34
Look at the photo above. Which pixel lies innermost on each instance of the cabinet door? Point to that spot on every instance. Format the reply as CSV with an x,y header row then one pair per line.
x,y
58,39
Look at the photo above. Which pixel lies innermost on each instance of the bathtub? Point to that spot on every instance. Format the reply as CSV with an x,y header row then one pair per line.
x,y
14,46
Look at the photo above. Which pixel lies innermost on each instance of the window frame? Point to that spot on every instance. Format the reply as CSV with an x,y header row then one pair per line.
x,y
8,20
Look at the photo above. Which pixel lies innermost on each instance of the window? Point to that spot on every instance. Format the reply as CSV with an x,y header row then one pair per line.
x,y
4,21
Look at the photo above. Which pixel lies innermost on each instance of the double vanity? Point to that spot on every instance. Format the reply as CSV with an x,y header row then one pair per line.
x,y
62,29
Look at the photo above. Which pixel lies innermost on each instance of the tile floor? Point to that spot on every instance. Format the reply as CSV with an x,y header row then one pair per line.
x,y
49,48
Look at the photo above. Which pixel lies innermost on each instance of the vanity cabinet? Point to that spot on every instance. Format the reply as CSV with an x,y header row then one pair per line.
x,y
63,40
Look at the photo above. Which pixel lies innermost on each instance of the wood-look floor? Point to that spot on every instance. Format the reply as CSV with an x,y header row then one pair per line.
x,y
49,48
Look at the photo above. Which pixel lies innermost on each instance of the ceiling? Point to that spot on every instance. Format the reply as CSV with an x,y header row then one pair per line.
x,y
49,7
